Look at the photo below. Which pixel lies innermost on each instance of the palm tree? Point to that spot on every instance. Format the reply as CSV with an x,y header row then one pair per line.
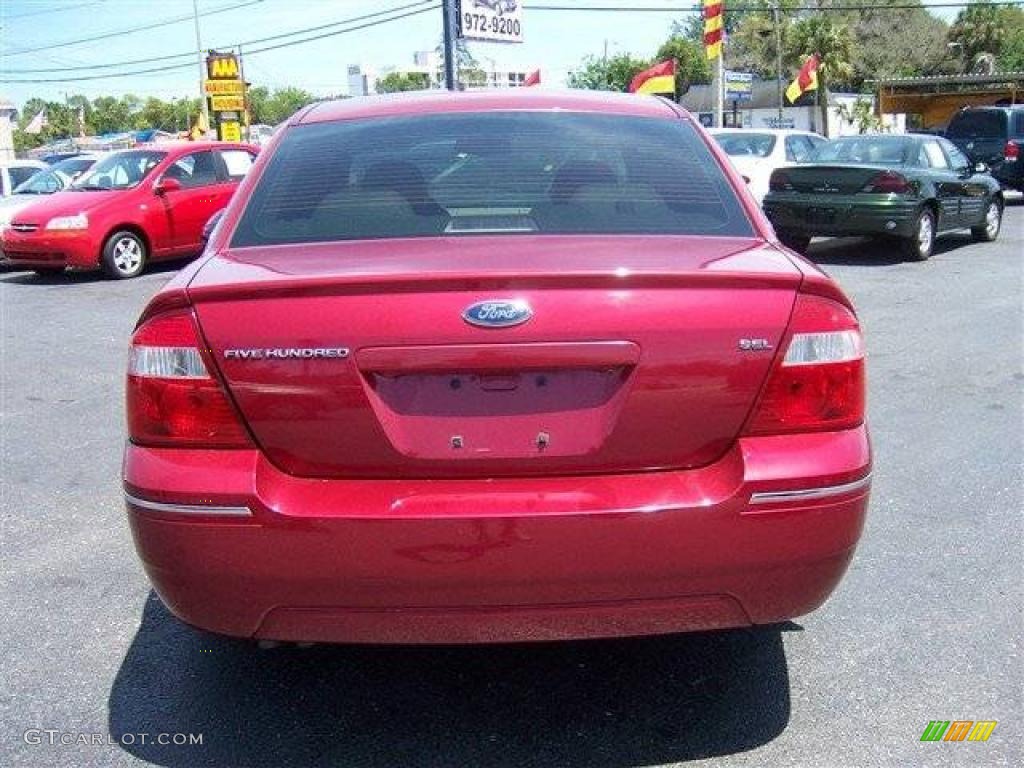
x,y
834,46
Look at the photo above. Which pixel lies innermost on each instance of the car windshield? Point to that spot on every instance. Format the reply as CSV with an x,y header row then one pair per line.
x,y
869,150
983,124
500,172
122,170
746,144
56,177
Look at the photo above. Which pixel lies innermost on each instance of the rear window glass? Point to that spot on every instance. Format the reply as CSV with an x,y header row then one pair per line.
x,y
869,150
988,124
502,172
746,144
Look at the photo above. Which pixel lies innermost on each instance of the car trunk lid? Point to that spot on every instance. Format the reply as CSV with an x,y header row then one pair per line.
x,y
354,358
831,179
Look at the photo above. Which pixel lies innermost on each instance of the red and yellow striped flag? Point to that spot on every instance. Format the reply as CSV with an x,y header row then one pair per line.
x,y
806,80
661,78
714,28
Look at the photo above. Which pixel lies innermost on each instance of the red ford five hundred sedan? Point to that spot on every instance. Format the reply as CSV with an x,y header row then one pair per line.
x,y
132,207
494,367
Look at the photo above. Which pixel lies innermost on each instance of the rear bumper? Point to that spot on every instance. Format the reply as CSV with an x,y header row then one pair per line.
x,y
234,546
842,217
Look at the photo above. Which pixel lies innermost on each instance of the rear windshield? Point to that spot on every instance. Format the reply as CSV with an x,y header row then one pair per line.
x,y
869,150
746,144
987,124
500,172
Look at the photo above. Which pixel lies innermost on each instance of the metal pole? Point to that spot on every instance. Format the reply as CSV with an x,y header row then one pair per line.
x,y
719,90
449,10
778,56
202,65
245,95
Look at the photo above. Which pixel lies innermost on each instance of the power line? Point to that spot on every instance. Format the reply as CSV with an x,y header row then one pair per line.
x,y
688,8
171,57
249,52
47,11
130,30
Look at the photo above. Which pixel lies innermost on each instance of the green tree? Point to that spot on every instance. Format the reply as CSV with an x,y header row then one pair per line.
x,y
834,45
394,82
691,64
611,74
985,28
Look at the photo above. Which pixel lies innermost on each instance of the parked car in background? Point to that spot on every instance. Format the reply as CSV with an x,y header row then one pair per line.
x,y
133,206
55,157
756,153
490,366
43,182
15,172
994,136
911,187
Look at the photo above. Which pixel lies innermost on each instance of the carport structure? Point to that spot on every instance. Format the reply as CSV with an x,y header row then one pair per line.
x,y
934,99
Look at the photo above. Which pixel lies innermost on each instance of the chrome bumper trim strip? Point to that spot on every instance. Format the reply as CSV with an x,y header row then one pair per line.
x,y
186,509
809,494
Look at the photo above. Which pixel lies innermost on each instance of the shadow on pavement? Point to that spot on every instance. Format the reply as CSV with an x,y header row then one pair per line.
x,y
600,703
14,276
853,251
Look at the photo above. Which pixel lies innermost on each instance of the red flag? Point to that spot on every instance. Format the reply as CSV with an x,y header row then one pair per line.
x,y
532,79
806,79
661,78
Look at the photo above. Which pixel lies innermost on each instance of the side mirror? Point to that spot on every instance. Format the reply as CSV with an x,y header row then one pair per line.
x,y
211,224
165,185
981,168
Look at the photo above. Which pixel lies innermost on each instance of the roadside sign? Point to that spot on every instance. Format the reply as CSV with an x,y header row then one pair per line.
x,y
222,66
231,103
495,20
223,87
738,86
230,131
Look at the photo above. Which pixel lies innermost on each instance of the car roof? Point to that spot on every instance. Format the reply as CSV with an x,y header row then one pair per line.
x,y
524,99
772,131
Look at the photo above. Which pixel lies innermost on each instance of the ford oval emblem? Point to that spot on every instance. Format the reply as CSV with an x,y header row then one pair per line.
x,y
497,313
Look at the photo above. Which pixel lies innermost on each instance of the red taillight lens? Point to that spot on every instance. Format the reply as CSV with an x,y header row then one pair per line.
x,y
779,182
171,398
818,384
888,181
1011,152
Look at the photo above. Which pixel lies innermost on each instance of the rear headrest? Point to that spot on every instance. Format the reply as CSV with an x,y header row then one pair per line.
x,y
572,177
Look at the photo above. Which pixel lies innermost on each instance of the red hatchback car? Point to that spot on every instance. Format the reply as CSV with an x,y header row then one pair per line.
x,y
132,207
495,367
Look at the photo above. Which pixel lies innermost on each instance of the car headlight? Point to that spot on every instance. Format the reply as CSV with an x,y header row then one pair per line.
x,y
78,221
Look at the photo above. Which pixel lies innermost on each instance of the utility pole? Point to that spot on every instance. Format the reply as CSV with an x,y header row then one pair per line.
x,y
448,11
720,90
202,66
778,56
245,95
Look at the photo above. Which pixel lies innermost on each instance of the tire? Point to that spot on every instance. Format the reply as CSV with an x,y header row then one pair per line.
x,y
989,230
124,255
921,245
795,241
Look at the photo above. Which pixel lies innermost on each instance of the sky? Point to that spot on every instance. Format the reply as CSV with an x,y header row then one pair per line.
x,y
555,41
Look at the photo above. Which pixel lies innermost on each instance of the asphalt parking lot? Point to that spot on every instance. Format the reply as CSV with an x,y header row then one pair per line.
x,y
926,626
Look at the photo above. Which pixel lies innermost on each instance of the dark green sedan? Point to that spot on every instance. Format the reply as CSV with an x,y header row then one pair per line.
x,y
912,188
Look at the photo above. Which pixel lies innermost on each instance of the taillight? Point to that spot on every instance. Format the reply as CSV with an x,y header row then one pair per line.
x,y
779,182
888,181
818,384
1011,152
171,398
